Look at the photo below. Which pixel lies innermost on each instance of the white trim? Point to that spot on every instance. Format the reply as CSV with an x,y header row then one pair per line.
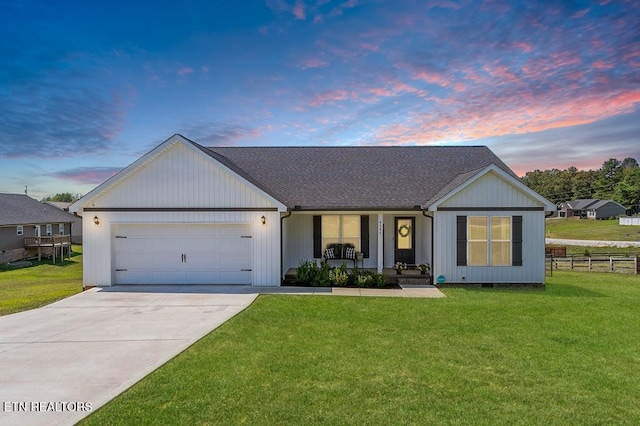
x,y
548,205
19,230
148,157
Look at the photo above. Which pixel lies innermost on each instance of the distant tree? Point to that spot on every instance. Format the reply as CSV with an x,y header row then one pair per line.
x,y
582,184
609,176
627,192
65,197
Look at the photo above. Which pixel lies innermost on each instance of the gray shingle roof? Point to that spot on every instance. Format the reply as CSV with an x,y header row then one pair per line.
x,y
19,209
581,204
356,177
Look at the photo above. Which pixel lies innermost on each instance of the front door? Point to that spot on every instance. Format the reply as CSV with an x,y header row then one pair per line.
x,y
405,246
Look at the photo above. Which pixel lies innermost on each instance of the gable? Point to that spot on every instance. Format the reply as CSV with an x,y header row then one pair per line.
x,y
491,190
179,176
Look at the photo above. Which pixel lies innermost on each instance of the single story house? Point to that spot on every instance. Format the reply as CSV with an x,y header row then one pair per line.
x,y
186,214
76,228
591,208
27,225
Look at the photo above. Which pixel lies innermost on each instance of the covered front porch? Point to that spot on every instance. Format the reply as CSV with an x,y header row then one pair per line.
x,y
379,239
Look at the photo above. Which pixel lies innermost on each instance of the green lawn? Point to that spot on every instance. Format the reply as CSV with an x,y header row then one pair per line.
x,y
584,229
566,355
41,284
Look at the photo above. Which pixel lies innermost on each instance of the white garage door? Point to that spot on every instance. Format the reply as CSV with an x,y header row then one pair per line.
x,y
183,254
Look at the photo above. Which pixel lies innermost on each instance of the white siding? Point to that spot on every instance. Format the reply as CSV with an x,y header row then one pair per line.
x,y
531,271
491,190
181,177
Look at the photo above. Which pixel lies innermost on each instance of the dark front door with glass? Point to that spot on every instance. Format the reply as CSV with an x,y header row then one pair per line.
x,y
405,240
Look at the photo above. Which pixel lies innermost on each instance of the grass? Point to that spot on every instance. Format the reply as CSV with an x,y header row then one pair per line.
x,y
566,355
40,284
584,229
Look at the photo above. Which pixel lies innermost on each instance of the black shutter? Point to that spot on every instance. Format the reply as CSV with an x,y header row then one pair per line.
x,y
364,235
516,241
461,239
317,237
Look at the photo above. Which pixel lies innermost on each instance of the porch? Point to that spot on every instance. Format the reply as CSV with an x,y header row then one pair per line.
x,y
408,276
380,239
51,244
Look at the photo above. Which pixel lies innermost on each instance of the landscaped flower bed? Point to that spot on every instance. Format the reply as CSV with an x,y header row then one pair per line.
x,y
313,274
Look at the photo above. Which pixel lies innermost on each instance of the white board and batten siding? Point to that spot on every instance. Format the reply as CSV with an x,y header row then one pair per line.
x,y
491,191
183,194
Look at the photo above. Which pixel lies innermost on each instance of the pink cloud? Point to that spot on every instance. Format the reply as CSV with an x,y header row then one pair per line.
x,y
602,65
502,72
299,10
314,62
517,114
369,46
332,96
580,13
431,77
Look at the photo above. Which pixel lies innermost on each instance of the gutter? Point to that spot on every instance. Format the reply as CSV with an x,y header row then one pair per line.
x,y
282,218
432,244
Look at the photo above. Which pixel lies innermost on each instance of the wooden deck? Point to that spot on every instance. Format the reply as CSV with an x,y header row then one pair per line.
x,y
408,277
53,242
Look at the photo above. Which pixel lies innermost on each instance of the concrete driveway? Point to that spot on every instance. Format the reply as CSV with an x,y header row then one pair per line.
x,y
60,361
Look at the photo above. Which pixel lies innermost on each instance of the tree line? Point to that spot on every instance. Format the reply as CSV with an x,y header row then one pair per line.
x,y
615,180
65,197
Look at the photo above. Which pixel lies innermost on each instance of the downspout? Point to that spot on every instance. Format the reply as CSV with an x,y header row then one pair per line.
x,y
432,244
282,218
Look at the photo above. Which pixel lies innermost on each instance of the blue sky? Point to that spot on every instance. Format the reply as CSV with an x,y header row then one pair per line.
x,y
88,87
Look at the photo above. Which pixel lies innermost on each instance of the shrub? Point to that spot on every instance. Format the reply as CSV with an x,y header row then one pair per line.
x,y
364,280
380,280
338,277
309,273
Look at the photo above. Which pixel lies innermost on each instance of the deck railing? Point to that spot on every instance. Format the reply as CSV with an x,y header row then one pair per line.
x,y
48,241
53,241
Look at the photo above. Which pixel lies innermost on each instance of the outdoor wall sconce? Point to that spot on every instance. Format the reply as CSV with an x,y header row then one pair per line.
x,y
96,220
263,220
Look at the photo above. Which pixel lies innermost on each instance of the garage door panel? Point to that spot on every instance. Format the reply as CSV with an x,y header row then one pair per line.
x,y
152,254
202,245
232,262
236,277
239,245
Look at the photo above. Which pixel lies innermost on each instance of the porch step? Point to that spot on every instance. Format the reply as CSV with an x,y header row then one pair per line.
x,y
413,280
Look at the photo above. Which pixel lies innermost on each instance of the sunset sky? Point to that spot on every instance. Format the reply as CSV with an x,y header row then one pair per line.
x,y
89,86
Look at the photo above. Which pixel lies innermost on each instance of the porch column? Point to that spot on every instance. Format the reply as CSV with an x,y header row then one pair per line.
x,y
380,242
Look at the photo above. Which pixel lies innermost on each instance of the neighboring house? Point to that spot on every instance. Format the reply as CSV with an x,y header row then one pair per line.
x,y
76,228
186,214
605,209
22,219
591,209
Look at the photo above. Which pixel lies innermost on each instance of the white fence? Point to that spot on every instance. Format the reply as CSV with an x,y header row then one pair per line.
x,y
629,221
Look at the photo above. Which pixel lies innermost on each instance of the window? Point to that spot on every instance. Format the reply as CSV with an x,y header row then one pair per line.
x,y
48,229
20,230
489,241
61,229
477,242
341,229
